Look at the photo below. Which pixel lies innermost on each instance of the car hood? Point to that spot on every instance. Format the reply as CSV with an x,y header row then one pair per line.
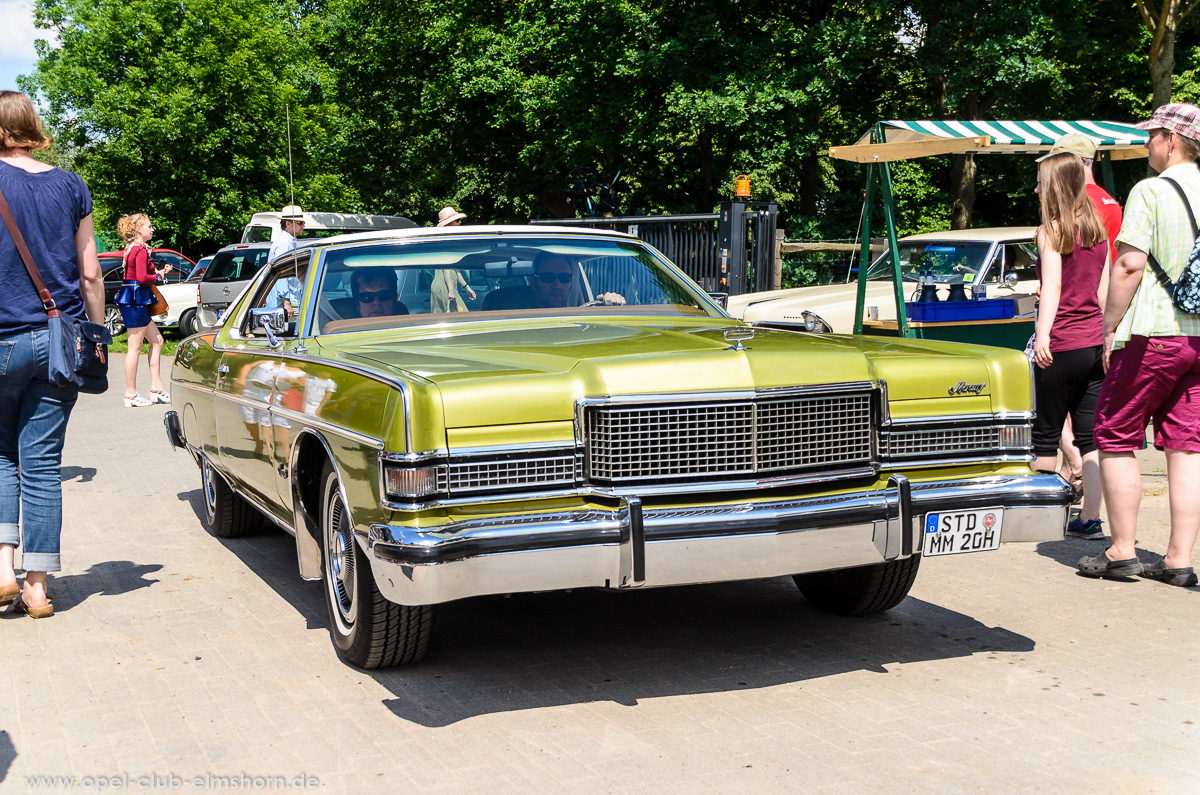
x,y
492,376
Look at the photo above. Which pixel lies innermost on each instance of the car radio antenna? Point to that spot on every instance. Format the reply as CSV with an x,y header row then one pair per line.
x,y
287,109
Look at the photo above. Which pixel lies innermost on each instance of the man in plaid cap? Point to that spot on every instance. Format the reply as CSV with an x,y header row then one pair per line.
x,y
1152,357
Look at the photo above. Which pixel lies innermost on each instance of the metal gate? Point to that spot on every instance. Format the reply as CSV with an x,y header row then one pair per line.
x,y
732,251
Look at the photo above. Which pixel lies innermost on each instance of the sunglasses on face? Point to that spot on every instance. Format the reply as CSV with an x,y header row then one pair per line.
x,y
550,278
379,295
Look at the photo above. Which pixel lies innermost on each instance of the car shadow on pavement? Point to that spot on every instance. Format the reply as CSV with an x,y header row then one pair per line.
x,y
500,654
497,654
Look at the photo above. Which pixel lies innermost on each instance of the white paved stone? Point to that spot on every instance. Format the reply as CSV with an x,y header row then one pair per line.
x,y
176,653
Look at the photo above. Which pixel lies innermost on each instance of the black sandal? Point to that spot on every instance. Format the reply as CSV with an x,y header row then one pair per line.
x,y
1103,566
1184,578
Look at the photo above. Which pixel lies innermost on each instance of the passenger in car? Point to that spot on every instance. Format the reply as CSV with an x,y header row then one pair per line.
x,y
374,291
553,287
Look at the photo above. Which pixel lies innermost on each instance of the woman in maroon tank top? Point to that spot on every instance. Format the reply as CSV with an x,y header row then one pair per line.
x,y
1073,259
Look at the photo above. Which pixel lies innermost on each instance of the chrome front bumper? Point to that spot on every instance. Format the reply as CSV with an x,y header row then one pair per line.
x,y
634,545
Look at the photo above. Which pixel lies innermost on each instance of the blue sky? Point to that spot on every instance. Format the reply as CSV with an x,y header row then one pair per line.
x,y
16,45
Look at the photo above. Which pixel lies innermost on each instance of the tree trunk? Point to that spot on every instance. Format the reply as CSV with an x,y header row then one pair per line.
x,y
1162,66
962,177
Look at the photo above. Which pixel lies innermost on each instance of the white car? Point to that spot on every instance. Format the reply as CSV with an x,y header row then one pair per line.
x,y
1001,259
183,300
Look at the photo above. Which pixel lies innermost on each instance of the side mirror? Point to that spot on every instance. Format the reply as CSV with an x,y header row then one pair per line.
x,y
722,299
271,321
1010,279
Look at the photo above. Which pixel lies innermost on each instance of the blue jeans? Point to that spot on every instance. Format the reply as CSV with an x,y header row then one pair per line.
x,y
33,426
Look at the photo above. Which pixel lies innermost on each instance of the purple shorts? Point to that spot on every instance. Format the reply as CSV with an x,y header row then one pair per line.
x,y
1151,378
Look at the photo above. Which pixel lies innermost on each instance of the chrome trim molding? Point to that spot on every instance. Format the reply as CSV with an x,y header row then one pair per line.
x,y
595,545
206,390
415,458
315,422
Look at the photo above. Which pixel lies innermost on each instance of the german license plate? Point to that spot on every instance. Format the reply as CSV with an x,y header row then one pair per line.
x,y
952,532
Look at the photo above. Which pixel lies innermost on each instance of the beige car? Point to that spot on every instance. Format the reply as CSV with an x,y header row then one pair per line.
x,y
997,261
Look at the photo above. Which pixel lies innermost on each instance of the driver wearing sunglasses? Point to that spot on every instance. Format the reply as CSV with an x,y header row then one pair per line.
x,y
374,291
553,283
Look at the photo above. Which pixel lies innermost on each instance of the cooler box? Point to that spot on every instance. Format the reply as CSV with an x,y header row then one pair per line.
x,y
961,311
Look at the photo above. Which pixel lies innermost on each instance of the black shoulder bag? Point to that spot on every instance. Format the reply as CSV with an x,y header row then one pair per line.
x,y
1185,293
78,348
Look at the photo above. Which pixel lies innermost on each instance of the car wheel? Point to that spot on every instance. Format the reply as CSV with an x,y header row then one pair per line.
x,y
187,323
227,513
860,591
113,321
368,630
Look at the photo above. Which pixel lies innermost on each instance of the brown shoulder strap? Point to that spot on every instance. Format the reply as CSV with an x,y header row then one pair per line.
x,y
27,258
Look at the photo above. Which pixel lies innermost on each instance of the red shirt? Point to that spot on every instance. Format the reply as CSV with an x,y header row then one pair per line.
x,y
138,267
1109,211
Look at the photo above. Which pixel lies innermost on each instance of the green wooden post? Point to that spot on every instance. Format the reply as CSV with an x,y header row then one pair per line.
x,y
889,218
1106,174
864,259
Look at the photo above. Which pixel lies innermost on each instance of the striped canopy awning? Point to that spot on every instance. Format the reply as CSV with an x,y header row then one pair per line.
x,y
1122,141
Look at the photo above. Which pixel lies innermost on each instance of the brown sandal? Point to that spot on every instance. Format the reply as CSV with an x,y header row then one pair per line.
x,y
9,594
45,611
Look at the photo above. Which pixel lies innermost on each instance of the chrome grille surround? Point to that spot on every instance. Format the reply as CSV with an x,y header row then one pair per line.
x,y
740,436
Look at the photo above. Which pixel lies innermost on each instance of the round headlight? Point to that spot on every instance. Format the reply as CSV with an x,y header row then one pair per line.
x,y
813,322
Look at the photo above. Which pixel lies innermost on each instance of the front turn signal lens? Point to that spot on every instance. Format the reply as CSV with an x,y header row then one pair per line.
x,y
410,482
1016,437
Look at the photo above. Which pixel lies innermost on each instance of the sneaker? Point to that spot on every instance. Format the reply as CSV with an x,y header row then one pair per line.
x,y
136,400
160,395
1080,529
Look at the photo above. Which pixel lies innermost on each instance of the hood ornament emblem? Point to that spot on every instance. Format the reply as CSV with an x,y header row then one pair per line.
x,y
737,336
963,388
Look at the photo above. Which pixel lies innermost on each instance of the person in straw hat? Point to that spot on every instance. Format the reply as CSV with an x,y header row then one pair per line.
x,y
448,216
444,295
287,291
291,226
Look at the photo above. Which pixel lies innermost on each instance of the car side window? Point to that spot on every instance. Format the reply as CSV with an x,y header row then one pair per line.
x,y
1019,259
283,289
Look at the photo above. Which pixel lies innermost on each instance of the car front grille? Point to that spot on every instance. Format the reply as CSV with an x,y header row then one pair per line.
x,y
515,473
630,444
899,443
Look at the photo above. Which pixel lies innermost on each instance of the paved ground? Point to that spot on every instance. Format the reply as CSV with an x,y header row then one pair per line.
x,y
180,661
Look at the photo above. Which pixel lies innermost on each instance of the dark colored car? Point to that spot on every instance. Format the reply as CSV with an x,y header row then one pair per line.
x,y
182,270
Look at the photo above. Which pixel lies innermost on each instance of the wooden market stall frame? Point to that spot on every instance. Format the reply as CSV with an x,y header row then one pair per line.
x,y
905,140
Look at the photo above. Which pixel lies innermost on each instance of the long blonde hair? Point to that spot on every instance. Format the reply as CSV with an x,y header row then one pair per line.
x,y
1067,212
127,226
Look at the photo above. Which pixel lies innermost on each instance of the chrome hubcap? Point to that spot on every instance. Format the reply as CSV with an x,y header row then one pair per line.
x,y
210,491
340,554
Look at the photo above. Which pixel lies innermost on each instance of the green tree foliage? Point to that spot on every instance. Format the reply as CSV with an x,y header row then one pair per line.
x,y
492,104
177,110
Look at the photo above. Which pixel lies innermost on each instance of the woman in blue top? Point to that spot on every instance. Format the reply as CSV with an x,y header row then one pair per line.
x,y
53,210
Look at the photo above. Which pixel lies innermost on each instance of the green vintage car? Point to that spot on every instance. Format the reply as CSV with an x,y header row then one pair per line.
x,y
436,414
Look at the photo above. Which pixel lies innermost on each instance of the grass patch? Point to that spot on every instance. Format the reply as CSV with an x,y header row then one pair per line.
x,y
171,340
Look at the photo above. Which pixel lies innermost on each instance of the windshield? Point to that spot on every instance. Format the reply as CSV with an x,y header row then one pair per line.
x,y
236,265
262,234
535,276
948,262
